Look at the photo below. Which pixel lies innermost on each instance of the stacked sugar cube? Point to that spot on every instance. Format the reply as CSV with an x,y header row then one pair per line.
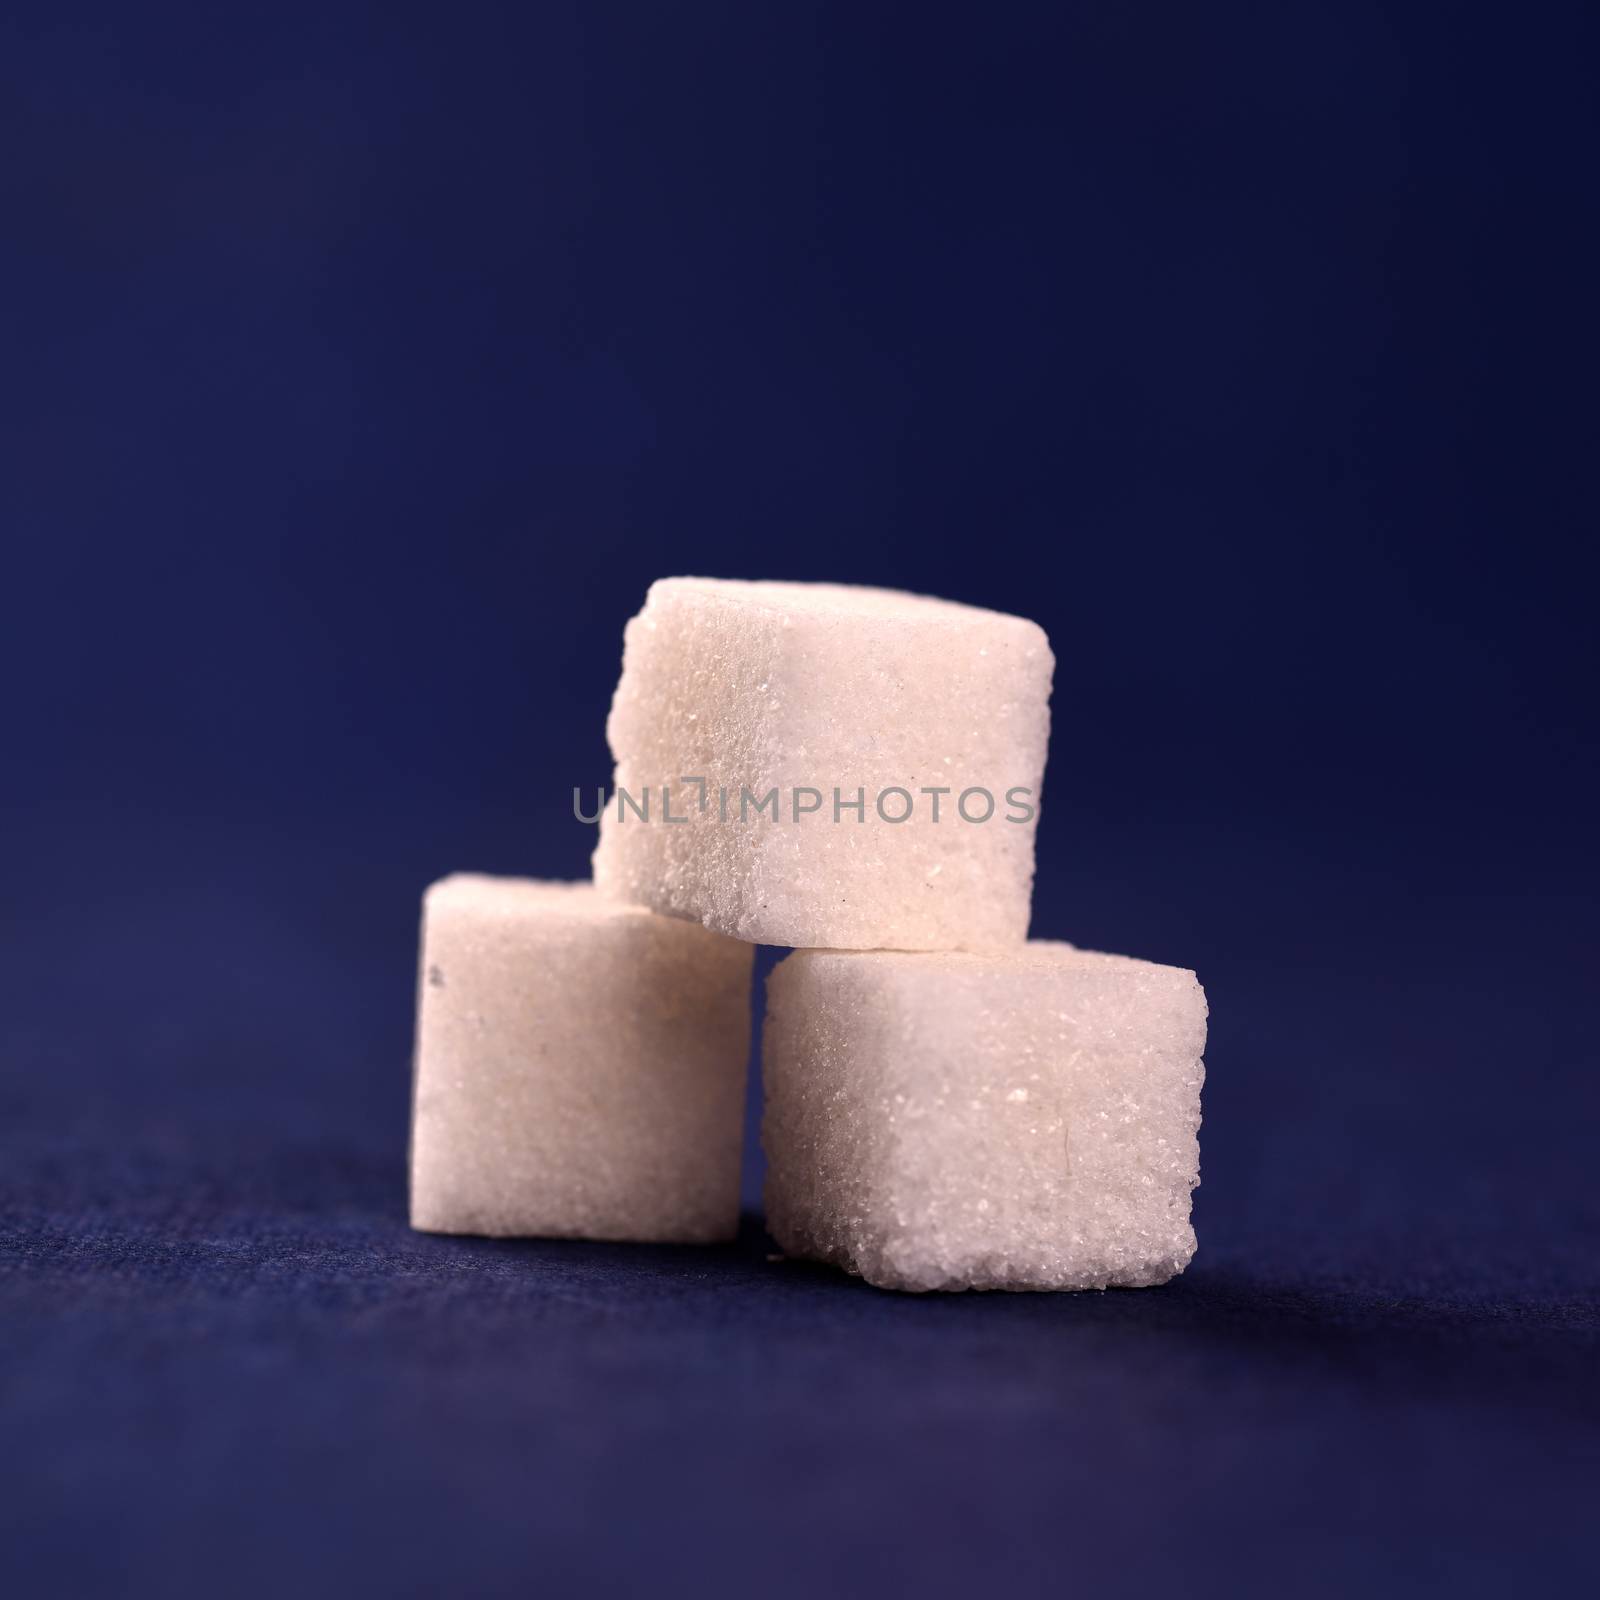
x,y
854,773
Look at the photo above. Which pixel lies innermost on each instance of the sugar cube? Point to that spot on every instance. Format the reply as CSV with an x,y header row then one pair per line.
x,y
1023,1120
580,1067
819,765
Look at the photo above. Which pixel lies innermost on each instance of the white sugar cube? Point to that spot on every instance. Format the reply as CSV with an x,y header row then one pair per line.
x,y
580,1067
815,765
1023,1120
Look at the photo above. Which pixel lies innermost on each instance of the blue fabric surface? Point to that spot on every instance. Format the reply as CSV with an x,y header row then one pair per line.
x,y
229,1364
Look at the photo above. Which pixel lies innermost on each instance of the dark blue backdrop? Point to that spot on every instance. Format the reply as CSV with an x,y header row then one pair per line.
x,y
361,366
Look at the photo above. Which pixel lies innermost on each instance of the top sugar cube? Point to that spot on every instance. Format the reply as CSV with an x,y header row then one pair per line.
x,y
817,765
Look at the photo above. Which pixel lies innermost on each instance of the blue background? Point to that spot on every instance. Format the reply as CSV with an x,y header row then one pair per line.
x,y
362,365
